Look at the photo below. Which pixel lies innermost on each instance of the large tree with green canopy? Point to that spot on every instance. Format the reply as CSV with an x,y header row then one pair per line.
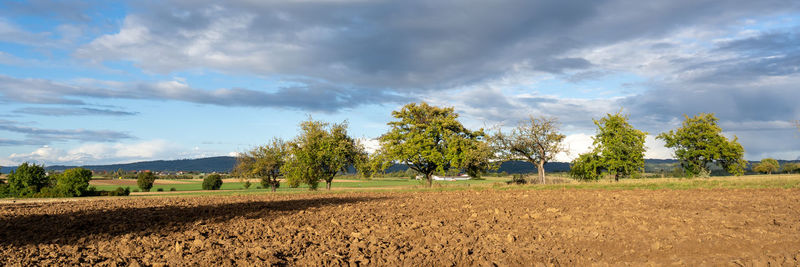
x,y
618,149
264,162
767,165
320,152
699,142
429,139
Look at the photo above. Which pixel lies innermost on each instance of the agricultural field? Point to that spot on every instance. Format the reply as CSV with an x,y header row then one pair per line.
x,y
742,222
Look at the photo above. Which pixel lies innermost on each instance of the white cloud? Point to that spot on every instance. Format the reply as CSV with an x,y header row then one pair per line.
x,y
99,153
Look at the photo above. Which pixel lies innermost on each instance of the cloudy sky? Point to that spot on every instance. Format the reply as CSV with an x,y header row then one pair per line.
x,y
92,82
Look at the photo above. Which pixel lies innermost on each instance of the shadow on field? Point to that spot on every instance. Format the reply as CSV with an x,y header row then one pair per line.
x,y
72,227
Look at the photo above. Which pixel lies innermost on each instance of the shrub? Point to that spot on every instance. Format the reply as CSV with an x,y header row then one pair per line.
x,y
247,184
27,179
74,182
212,182
173,189
145,181
160,189
258,187
118,192
518,179
136,190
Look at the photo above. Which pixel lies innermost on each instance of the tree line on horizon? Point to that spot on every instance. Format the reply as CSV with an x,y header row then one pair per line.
x,y
430,140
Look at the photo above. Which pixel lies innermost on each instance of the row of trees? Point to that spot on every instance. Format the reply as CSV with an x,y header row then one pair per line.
x,y
31,180
430,139
770,165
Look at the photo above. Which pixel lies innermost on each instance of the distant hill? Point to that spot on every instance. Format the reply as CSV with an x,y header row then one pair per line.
x,y
213,164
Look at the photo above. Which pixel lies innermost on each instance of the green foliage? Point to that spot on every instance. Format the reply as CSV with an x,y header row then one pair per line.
x,y
74,182
620,146
247,184
587,166
145,181
618,150
118,192
172,189
429,139
4,191
264,162
319,152
27,179
791,167
363,162
699,142
160,189
479,159
537,141
212,182
767,165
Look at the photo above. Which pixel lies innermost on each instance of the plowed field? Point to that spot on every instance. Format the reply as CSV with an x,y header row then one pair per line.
x,y
518,227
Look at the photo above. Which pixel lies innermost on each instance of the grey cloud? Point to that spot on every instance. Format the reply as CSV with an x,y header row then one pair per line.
x,y
308,95
73,112
407,45
43,136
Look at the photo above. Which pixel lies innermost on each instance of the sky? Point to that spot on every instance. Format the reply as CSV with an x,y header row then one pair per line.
x,y
99,82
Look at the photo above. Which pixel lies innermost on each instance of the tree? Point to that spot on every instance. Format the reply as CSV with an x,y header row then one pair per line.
x,y
699,142
27,179
537,141
145,180
264,162
73,182
767,165
587,166
618,149
791,167
479,159
428,139
212,182
362,162
320,152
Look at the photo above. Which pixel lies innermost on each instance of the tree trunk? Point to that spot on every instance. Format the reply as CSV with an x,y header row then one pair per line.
x,y
616,177
429,179
540,169
273,185
328,184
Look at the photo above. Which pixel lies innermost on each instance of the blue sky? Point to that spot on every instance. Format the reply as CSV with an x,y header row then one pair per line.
x,y
91,82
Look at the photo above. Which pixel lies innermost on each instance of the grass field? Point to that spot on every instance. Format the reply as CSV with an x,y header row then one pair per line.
x,y
499,183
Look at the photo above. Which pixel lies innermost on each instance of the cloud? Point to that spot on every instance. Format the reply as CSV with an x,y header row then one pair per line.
x,y
407,45
107,153
73,112
46,136
311,95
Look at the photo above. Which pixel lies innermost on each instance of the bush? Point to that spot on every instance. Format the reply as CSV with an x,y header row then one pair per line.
x,y
136,190
518,179
27,179
117,192
145,181
4,190
247,184
74,182
160,189
173,189
212,182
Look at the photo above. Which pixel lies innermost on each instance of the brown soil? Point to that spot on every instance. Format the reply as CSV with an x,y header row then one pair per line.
x,y
561,227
